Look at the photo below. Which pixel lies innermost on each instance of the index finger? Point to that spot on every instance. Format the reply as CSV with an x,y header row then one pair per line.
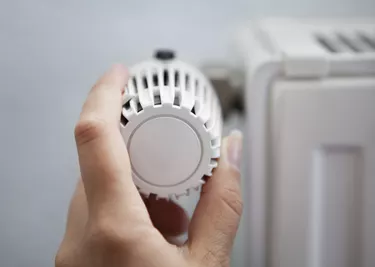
x,y
103,158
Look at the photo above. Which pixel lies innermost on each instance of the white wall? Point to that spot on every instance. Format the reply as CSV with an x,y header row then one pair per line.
x,y
50,54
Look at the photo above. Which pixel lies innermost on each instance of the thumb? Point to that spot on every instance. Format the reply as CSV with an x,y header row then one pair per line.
x,y
217,216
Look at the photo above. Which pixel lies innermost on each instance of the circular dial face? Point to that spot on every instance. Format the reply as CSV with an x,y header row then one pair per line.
x,y
164,151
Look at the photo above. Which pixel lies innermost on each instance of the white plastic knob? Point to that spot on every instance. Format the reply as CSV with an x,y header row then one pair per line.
x,y
171,123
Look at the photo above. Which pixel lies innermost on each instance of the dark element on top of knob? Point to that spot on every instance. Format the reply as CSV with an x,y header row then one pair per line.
x,y
164,54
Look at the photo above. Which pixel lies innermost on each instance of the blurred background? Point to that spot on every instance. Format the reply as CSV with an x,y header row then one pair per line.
x,y
51,52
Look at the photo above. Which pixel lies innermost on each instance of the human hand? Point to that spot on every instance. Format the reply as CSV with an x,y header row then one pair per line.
x,y
109,224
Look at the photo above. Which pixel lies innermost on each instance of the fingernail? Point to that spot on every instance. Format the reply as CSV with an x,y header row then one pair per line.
x,y
234,148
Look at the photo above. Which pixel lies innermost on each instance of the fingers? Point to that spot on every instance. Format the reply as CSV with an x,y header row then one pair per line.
x,y
103,158
217,215
168,217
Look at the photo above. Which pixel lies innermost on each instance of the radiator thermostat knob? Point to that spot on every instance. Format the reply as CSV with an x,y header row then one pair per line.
x,y
171,123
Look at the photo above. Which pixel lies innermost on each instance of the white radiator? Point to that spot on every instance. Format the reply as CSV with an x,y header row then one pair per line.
x,y
310,93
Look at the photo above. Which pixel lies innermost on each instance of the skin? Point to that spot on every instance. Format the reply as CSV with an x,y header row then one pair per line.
x,y
110,224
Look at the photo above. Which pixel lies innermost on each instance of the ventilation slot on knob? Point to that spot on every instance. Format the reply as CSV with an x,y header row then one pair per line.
x,y
197,89
176,79
166,77
177,100
187,83
135,84
193,110
127,105
145,82
138,105
124,120
155,79
157,100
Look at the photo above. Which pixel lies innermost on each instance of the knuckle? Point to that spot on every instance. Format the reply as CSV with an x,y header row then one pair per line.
x,y
59,261
89,129
65,256
62,260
